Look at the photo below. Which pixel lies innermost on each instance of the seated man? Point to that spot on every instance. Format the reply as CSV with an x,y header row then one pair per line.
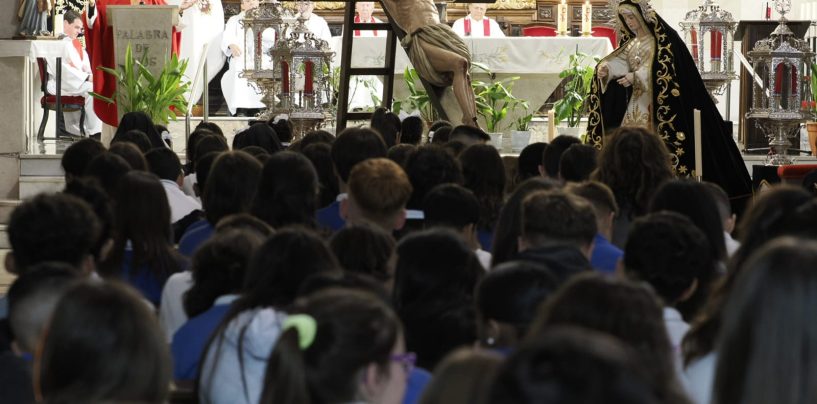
x,y
476,24
316,24
364,15
77,76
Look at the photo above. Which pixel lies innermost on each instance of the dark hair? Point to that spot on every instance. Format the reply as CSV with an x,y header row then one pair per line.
x,y
469,132
666,250
766,343
354,145
530,158
89,191
140,121
441,134
107,168
552,154
387,124
211,143
218,268
365,248
258,152
320,154
450,205
633,163
77,156
428,167
287,191
131,153
70,16
572,365
354,329
244,222
510,294
577,162
453,147
509,226
282,128
721,200
484,174
628,311
135,137
435,279
203,166
772,215
400,153
463,377
436,125
103,345
231,185
144,224
598,194
52,227
164,163
411,130
259,134
317,136
190,151
211,126
32,299
556,217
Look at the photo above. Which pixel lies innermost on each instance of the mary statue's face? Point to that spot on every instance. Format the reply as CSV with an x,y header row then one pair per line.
x,y
632,21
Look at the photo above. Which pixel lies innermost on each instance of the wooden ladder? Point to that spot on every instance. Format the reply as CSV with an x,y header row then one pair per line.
x,y
394,33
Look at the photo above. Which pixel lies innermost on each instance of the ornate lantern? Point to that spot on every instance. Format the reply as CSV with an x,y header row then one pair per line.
x,y
304,62
782,89
709,32
263,25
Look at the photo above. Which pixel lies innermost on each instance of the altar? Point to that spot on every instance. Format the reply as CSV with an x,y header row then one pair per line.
x,y
537,61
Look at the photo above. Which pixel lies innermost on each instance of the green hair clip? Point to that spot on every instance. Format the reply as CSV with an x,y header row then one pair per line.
x,y
306,327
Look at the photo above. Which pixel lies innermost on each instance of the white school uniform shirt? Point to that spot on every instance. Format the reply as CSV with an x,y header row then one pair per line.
x,y
478,28
181,205
237,90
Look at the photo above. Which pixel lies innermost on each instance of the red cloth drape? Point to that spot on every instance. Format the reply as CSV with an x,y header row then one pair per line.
x,y
99,41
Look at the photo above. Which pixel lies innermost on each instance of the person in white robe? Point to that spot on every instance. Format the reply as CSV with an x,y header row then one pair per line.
x,y
476,24
316,24
201,22
364,89
238,92
76,78
364,11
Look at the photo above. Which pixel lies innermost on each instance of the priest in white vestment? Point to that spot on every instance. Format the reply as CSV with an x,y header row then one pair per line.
x,y
201,22
76,78
238,93
476,24
315,23
364,15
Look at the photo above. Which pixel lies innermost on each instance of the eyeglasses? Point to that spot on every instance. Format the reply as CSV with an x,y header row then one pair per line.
x,y
406,360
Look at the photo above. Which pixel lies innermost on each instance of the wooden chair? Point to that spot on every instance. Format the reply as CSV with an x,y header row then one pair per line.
x,y
607,32
538,30
70,103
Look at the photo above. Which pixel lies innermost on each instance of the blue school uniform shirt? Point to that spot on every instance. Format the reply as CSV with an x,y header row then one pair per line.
x,y
195,236
191,339
605,255
143,279
417,382
329,217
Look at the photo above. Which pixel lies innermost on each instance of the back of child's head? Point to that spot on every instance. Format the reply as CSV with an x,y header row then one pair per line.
x,y
51,227
440,123
561,365
511,293
354,145
320,154
103,345
329,341
244,222
317,136
411,130
211,126
552,155
193,142
287,191
463,377
131,154
669,252
721,201
577,163
135,136
428,167
468,135
484,173
440,135
450,205
107,168
530,158
379,188
77,156
367,249
88,190
283,129
212,143
33,297
400,153
556,217
164,163
259,134
231,185
203,166
218,268
387,124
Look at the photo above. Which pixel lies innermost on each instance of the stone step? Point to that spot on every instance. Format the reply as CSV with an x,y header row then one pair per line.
x,y
31,185
41,165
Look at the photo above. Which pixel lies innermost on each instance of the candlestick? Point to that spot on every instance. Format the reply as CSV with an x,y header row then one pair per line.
x,y
587,18
308,77
58,24
551,125
284,77
716,43
561,26
699,165
694,35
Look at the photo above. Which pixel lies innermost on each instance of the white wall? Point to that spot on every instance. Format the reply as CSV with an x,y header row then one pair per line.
x,y
8,18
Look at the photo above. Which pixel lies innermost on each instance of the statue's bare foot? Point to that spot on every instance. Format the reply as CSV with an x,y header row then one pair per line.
x,y
470,122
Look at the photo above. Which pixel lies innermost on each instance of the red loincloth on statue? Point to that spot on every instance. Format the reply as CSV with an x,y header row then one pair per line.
x,y
99,41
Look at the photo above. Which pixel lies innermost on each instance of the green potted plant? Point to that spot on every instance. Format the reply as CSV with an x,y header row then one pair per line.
x,y
579,77
160,97
417,100
495,101
520,135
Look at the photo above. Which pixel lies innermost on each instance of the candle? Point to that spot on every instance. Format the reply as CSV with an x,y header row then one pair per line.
x,y
308,77
587,18
551,125
694,35
284,77
699,162
561,26
716,43
58,24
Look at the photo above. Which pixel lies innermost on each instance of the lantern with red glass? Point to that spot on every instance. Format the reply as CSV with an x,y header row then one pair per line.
x,y
709,32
